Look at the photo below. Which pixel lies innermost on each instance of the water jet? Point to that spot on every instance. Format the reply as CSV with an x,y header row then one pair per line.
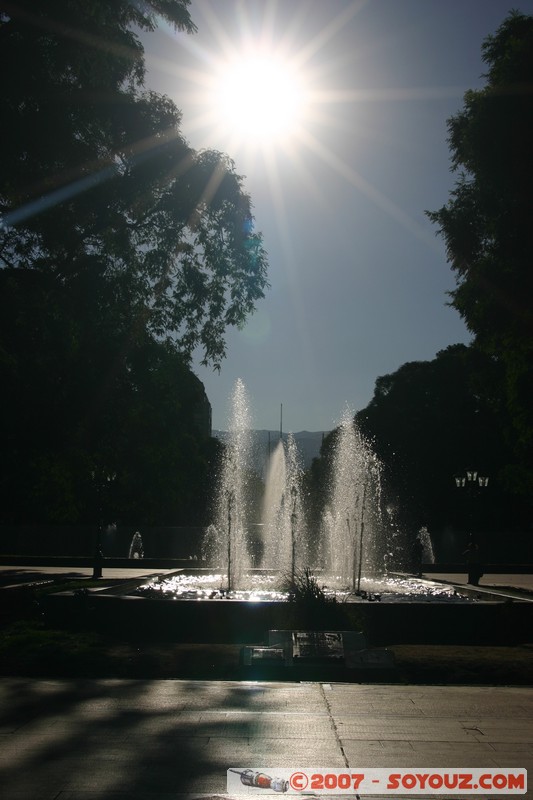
x,y
238,595
348,547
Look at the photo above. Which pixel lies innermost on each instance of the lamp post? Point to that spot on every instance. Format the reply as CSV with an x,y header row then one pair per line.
x,y
230,499
102,483
471,483
294,520
472,479
361,533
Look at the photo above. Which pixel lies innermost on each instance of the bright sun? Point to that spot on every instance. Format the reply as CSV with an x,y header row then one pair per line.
x,y
260,99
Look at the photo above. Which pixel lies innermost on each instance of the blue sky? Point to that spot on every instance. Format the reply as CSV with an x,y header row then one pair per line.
x,y
358,276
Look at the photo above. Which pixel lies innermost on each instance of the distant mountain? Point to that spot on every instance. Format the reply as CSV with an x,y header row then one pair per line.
x,y
264,443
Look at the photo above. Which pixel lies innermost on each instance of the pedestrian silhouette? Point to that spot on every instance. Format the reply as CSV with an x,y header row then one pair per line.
x,y
473,561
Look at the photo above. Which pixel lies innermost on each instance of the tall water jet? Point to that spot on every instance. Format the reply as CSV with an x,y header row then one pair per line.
x,y
352,542
274,509
351,519
428,556
283,519
227,539
136,547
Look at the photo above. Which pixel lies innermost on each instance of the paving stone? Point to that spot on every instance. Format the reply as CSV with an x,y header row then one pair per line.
x,y
410,730
395,746
72,740
415,760
502,730
515,747
445,747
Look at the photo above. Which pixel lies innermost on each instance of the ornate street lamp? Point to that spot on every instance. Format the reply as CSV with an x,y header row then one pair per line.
x,y
472,479
294,520
230,499
471,483
102,483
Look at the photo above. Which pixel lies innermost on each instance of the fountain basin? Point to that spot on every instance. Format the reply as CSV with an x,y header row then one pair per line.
x,y
262,585
489,619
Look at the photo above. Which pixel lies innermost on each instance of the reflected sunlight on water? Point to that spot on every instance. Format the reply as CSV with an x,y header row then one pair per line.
x,y
268,588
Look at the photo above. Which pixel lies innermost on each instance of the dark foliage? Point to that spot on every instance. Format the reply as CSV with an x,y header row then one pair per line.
x,y
486,224
432,420
122,250
84,400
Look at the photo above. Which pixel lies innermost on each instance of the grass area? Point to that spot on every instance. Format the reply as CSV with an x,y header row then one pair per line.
x,y
464,664
27,647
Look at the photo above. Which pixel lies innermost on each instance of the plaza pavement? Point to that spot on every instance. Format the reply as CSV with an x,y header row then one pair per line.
x,y
157,740
512,585
497,580
17,575
148,740
14,575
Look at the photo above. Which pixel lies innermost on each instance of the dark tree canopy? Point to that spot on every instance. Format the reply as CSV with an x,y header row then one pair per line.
x,y
432,420
471,407
486,223
83,399
122,250
98,179
428,422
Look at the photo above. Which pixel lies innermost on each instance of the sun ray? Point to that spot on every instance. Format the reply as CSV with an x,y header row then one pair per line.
x,y
263,43
328,97
305,320
304,54
346,171
224,40
286,239
305,178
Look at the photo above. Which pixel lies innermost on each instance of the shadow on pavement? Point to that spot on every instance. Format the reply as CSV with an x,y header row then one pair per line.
x,y
112,737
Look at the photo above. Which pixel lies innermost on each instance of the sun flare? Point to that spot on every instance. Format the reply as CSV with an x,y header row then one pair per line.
x,y
261,91
258,98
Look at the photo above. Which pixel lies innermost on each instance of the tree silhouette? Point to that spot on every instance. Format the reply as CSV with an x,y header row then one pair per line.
x,y
98,178
486,224
122,251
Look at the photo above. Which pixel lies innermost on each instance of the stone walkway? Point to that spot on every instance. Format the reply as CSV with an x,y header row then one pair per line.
x,y
18,575
15,575
157,740
148,740
497,580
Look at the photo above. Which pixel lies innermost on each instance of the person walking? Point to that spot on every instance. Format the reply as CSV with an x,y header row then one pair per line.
x,y
473,561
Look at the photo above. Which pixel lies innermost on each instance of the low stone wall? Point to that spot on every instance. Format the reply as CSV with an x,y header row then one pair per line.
x,y
482,623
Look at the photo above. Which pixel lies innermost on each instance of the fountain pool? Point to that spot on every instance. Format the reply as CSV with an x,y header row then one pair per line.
x,y
198,607
243,590
260,586
348,550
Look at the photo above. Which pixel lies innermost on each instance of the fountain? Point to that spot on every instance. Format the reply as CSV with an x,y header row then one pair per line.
x,y
228,543
351,520
227,539
350,564
428,556
136,547
283,519
351,551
